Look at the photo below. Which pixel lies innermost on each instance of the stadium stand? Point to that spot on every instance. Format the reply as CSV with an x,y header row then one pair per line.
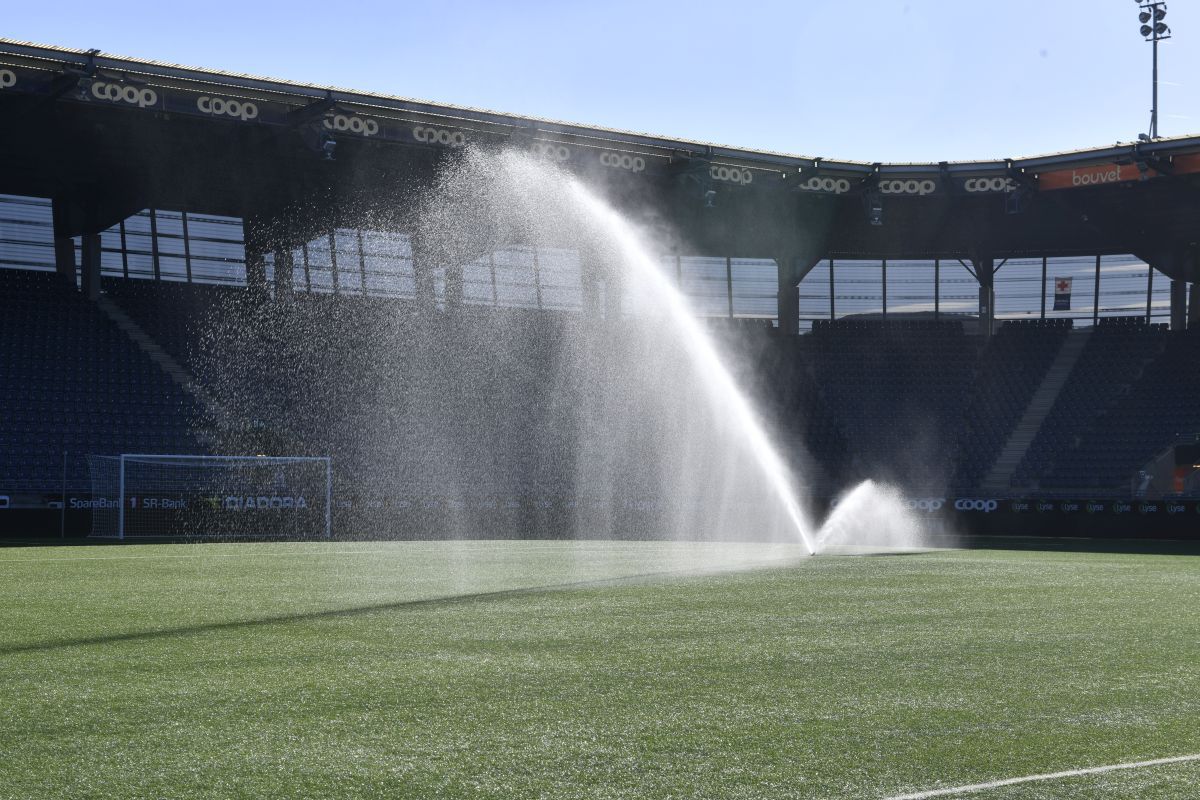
x,y
1010,369
75,384
899,389
1113,359
1142,418
920,402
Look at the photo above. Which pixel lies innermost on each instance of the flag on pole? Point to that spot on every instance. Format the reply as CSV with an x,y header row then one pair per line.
x,y
1062,294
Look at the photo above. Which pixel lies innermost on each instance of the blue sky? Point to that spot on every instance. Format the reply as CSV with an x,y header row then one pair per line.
x,y
873,80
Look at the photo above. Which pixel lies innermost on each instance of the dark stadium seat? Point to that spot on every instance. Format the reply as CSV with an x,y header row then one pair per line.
x,y
75,384
899,390
1011,367
1112,361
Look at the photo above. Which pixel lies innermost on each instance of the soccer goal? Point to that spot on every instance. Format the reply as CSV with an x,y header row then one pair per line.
x,y
137,495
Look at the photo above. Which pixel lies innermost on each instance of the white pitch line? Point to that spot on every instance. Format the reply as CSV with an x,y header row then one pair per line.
x,y
1049,776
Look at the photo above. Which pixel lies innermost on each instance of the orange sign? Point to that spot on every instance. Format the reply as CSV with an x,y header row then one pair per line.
x,y
1185,164
1095,175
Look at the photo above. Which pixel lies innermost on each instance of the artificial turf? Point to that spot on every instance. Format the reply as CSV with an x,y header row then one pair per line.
x,y
572,670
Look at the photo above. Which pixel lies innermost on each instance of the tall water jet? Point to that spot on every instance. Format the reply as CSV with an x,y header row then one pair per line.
x,y
453,412
484,200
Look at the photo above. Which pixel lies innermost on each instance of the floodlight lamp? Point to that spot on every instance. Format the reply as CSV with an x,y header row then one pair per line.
x,y
1159,12
1146,30
1144,16
1161,28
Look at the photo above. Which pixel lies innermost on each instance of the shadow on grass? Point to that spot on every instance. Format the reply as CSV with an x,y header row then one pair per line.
x,y
400,605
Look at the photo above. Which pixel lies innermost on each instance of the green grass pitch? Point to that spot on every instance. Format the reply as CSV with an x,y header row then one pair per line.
x,y
590,670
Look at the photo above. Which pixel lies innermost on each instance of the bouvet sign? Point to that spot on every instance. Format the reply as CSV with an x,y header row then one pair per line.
x,y
1095,175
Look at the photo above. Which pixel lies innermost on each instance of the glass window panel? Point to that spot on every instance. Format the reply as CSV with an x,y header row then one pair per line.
x,y
514,278
1123,280
1017,286
859,287
705,283
957,287
814,295
910,287
559,278
755,288
477,284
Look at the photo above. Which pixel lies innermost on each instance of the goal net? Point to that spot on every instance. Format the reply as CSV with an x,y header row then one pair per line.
x,y
172,496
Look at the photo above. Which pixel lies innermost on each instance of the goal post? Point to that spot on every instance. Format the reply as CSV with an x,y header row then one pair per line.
x,y
149,495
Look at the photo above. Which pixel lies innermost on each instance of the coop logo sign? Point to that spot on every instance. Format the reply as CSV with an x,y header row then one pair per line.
x,y
227,107
345,123
140,96
439,136
986,506
825,184
928,504
263,503
8,79
997,184
622,161
557,152
739,175
911,186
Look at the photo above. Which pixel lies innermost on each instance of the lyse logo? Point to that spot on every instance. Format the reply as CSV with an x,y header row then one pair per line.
x,y
227,107
342,123
8,79
140,96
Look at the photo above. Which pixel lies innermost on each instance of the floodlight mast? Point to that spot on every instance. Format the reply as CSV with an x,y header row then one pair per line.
x,y
1153,30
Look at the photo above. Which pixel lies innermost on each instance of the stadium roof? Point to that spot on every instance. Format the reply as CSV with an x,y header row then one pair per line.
x,y
114,135
18,52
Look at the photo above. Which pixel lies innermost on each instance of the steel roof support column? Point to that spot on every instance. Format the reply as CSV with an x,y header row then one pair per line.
x,y
64,245
1178,305
1194,308
89,258
284,266
591,278
424,272
793,267
985,273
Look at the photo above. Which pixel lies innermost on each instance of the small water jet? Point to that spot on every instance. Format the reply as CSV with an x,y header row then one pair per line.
x,y
871,518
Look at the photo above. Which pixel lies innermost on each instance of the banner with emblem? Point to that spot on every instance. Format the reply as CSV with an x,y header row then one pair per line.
x,y
1062,294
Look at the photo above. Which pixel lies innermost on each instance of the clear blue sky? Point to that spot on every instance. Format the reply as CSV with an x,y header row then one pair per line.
x,y
874,80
